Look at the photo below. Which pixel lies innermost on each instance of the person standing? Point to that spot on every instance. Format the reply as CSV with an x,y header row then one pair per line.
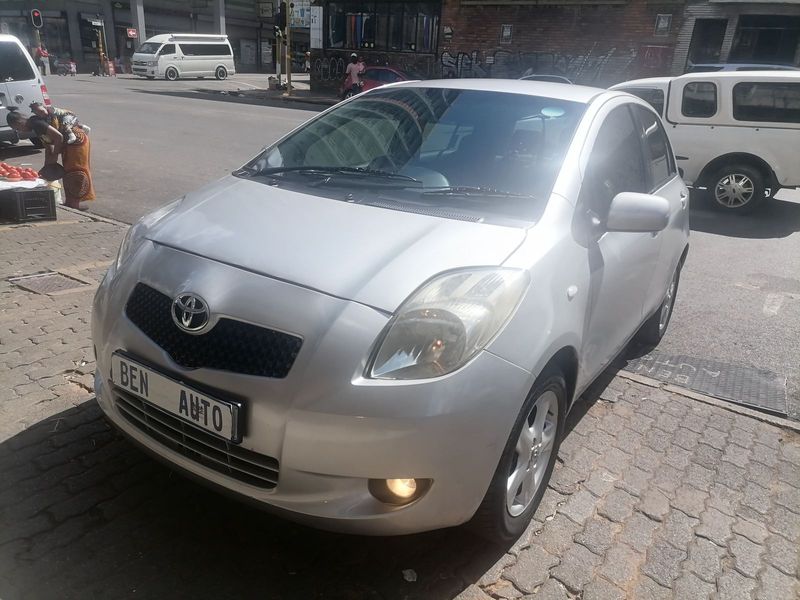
x,y
352,79
42,56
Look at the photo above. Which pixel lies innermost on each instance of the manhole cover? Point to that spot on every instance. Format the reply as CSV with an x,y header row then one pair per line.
x,y
749,386
47,283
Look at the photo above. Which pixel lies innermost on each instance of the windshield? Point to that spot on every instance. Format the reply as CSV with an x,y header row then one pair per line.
x,y
148,48
476,149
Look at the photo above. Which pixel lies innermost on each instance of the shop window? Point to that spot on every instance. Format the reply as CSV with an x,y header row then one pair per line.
x,y
766,38
767,102
393,26
699,99
706,44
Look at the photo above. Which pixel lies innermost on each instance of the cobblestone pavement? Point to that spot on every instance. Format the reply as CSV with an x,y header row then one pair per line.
x,y
655,495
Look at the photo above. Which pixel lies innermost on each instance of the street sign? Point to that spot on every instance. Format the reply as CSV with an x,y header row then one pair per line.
x,y
132,33
265,10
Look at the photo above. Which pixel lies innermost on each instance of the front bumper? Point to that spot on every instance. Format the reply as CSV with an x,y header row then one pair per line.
x,y
330,429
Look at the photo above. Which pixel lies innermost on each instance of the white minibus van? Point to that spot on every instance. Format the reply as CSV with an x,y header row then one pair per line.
x,y
736,135
176,55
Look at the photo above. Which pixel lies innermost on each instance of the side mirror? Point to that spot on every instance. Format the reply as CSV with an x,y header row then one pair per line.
x,y
635,212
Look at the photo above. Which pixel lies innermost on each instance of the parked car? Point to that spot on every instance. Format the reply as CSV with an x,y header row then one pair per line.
x,y
736,134
379,324
182,55
20,85
719,67
374,77
550,78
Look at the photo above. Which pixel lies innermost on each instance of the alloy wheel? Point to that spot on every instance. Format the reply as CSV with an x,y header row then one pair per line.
x,y
532,453
734,190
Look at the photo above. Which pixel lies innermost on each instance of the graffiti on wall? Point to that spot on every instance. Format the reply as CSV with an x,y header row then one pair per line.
x,y
332,68
587,67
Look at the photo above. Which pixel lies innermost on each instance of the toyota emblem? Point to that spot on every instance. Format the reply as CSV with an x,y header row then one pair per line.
x,y
190,312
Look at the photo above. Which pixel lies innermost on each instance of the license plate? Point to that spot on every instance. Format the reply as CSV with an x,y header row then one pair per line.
x,y
216,416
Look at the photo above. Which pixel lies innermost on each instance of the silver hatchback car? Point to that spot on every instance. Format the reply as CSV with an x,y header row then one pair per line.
x,y
380,323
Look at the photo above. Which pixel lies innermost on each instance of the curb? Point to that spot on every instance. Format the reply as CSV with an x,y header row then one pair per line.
x,y
729,406
93,217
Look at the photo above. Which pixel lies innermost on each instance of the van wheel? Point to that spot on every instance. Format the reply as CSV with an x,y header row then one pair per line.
x,y
737,189
221,73
526,463
171,74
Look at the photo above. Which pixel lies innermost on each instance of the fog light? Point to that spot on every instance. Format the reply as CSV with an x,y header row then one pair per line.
x,y
398,491
402,488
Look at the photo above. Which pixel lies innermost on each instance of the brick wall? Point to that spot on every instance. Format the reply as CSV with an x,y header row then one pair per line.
x,y
593,44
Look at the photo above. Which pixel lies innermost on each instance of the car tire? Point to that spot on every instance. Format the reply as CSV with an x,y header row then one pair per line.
x,y
737,189
221,73
506,511
655,327
171,74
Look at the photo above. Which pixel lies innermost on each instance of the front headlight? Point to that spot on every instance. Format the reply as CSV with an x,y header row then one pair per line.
x,y
445,323
136,233
152,63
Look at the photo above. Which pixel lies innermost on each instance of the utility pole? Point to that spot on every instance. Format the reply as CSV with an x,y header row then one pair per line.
x,y
289,10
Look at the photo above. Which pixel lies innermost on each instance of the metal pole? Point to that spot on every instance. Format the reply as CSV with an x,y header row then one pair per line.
x,y
289,10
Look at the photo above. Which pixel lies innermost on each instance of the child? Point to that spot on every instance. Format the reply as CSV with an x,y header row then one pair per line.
x,y
62,119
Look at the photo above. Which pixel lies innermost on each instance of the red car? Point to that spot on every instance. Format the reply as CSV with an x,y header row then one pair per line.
x,y
376,77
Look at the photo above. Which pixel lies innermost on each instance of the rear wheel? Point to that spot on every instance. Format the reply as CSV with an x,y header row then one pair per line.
x,y
737,189
221,73
171,74
526,463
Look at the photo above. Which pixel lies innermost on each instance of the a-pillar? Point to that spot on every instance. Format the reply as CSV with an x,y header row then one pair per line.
x,y
219,15
137,16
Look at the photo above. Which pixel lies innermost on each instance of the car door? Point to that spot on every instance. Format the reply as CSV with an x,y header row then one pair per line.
x,y
190,62
167,57
620,263
665,182
19,80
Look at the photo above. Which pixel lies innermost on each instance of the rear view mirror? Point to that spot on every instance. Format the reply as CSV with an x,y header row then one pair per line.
x,y
635,212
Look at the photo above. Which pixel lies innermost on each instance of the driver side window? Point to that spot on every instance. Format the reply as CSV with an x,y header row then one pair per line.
x,y
615,165
167,49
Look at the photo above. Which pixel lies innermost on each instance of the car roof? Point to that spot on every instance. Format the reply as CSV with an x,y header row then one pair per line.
x,y
187,37
733,66
559,91
647,82
749,75
4,37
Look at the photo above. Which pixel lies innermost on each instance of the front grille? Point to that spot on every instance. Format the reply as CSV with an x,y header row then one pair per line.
x,y
230,346
197,444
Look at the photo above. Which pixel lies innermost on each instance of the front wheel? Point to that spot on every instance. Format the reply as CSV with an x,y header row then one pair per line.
x,y
221,73
526,463
737,189
655,327
171,74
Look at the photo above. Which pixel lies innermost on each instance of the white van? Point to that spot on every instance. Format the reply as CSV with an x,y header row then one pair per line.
x,y
736,135
174,55
20,84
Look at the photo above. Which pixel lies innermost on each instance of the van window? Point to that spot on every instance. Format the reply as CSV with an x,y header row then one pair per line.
x,y
167,49
14,65
699,99
206,49
653,96
767,101
658,153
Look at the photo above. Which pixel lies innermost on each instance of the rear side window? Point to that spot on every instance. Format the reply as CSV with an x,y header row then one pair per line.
x,y
659,155
767,101
14,65
167,49
699,99
653,96
206,49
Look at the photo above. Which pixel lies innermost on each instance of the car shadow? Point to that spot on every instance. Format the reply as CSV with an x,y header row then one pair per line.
x,y
239,97
17,151
775,219
83,514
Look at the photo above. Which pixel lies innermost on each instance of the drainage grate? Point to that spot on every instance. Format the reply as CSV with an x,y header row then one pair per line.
x,y
756,388
48,283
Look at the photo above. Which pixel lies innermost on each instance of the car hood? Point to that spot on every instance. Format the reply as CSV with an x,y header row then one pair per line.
x,y
370,255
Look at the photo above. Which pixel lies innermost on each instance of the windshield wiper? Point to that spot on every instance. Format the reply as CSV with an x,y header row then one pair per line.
x,y
468,190
355,171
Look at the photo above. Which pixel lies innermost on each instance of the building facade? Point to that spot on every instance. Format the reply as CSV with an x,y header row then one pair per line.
x,y
82,28
593,42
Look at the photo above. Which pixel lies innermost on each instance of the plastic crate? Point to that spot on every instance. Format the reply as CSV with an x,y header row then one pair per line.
x,y
22,206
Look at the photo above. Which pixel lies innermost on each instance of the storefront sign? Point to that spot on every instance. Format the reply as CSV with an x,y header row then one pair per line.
x,y
315,34
265,10
663,24
132,33
301,13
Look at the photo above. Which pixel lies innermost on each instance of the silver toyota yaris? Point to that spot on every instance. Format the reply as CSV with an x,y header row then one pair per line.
x,y
379,324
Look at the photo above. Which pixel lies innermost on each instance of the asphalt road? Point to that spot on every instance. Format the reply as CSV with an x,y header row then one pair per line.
x,y
739,300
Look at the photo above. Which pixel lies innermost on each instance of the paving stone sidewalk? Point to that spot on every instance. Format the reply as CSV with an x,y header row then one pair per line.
x,y
655,495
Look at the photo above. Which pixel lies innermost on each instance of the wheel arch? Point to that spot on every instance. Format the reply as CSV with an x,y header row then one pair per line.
x,y
757,162
566,361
